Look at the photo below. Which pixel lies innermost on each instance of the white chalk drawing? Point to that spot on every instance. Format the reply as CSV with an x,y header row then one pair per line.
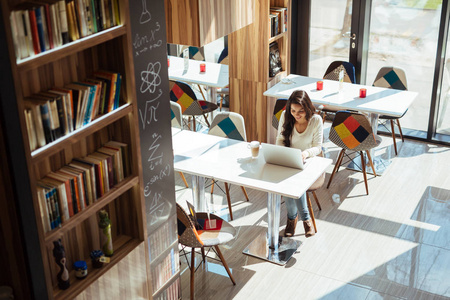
x,y
155,159
150,77
145,15
149,114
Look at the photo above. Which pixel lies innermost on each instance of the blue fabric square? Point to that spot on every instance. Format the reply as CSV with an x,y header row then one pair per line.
x,y
230,129
360,134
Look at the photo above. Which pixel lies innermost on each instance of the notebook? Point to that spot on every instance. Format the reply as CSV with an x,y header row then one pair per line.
x,y
283,156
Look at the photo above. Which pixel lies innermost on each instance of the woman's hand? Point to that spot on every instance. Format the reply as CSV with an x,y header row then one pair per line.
x,y
304,155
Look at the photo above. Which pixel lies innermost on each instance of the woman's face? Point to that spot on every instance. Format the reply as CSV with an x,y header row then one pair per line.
x,y
298,112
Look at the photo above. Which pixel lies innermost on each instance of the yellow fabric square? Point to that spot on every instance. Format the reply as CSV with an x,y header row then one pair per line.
x,y
351,142
185,101
278,114
342,131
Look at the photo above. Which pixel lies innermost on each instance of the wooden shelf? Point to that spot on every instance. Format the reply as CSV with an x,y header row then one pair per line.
x,y
165,252
70,48
123,245
277,77
167,284
63,142
277,37
115,192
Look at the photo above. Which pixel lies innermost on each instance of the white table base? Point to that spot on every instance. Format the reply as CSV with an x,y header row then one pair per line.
x,y
270,246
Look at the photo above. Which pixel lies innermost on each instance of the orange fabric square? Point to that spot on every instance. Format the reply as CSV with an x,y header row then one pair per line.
x,y
351,142
342,131
351,124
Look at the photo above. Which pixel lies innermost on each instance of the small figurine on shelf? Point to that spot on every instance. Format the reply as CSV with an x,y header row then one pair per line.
x,y
96,256
105,226
60,258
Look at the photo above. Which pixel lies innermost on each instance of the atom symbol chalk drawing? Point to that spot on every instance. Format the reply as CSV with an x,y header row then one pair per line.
x,y
150,78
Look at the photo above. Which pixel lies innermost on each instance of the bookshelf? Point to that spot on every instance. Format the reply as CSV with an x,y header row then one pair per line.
x,y
129,210
249,68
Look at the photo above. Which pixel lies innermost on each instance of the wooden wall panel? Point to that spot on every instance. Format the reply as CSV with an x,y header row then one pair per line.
x,y
200,22
126,280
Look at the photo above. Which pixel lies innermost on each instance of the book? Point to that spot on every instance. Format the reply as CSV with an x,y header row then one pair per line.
x,y
64,26
27,29
15,34
74,187
74,33
43,207
108,169
48,25
34,32
54,17
80,185
60,187
93,90
60,111
68,187
44,108
126,167
37,122
90,185
111,79
66,95
101,92
80,99
92,174
30,129
117,162
42,28
55,130
98,167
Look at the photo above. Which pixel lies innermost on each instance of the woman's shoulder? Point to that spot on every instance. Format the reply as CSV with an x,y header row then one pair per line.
x,y
316,119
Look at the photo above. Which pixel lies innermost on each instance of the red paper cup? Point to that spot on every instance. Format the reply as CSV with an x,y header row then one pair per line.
x,y
168,62
319,85
202,67
362,93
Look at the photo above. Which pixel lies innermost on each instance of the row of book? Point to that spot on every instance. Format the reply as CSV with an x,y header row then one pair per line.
x,y
47,26
163,271
71,189
59,111
278,20
171,293
160,239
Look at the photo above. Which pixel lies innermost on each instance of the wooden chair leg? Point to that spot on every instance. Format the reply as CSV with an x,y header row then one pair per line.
x,y
341,154
311,212
224,264
184,179
195,126
393,136
221,102
206,120
192,272
371,163
212,186
400,130
229,200
363,166
317,200
203,254
245,193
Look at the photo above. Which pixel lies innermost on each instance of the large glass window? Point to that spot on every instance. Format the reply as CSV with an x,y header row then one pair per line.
x,y
404,33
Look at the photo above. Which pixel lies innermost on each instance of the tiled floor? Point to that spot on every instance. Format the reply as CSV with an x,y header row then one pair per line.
x,y
391,244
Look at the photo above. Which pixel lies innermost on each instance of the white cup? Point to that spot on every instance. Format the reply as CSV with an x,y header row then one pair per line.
x,y
254,147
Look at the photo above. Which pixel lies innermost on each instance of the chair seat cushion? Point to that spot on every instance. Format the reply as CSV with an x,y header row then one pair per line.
x,y
215,232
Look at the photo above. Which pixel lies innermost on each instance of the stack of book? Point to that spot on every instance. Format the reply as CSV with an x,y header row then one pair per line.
x,y
46,26
278,20
71,189
52,114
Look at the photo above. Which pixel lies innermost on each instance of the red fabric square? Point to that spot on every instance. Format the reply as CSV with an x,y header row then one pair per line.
x,y
177,91
351,124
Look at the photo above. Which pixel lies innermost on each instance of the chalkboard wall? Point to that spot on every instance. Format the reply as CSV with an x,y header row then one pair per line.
x,y
148,28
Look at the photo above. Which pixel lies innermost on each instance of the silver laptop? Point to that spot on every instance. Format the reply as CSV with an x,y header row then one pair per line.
x,y
283,156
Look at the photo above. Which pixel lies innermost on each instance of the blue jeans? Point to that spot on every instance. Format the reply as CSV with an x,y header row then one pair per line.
x,y
297,205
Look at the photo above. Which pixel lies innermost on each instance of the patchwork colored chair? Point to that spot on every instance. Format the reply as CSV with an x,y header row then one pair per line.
x,y
205,236
332,73
312,190
392,78
195,53
183,94
278,109
352,131
177,122
229,125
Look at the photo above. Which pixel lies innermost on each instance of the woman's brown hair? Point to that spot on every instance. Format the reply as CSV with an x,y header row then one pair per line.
x,y
297,97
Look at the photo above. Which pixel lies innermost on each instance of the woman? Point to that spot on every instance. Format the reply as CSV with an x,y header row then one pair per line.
x,y
300,127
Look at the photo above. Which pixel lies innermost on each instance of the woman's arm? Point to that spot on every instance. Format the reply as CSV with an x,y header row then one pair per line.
x,y
317,138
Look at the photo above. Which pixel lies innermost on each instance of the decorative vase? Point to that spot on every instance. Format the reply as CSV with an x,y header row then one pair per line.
x,y
106,239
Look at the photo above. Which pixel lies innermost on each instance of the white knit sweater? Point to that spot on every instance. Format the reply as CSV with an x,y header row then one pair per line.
x,y
310,140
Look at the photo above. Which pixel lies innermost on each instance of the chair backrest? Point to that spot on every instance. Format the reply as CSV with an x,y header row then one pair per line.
x,y
332,73
391,77
352,130
223,58
183,94
278,109
187,234
175,114
230,125
195,53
